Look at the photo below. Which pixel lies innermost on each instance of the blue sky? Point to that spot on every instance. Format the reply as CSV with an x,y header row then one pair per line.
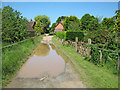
x,y
56,9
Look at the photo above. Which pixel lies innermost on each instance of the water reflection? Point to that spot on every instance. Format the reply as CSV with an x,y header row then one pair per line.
x,y
42,50
45,59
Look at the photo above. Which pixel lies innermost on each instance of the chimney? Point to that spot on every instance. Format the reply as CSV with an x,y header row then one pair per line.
x,y
62,21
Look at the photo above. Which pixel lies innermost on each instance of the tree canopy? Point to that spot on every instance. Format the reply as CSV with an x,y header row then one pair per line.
x,y
117,23
14,27
52,28
108,23
38,27
44,20
72,23
89,23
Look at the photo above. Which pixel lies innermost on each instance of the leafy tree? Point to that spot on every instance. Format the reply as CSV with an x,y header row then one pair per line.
x,y
0,14
98,36
117,23
60,18
14,27
72,23
44,20
108,23
74,26
52,28
89,23
38,27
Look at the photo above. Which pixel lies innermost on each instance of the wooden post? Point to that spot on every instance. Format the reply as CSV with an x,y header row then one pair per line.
x,y
88,52
62,41
89,41
81,49
76,41
100,56
118,61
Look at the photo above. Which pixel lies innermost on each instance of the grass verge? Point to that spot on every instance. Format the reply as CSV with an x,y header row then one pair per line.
x,y
91,75
13,58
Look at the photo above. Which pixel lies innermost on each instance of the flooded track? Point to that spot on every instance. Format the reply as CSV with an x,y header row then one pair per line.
x,y
46,68
45,60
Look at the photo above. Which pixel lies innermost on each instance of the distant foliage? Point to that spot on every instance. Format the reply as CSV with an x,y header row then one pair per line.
x,y
14,26
72,23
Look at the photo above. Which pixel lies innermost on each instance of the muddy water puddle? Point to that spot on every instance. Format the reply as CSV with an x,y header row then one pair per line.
x,y
44,60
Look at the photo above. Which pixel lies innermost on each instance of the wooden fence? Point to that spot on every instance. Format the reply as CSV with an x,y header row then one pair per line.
x,y
85,50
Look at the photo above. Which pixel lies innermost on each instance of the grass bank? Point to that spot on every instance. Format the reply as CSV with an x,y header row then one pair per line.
x,y
13,57
91,75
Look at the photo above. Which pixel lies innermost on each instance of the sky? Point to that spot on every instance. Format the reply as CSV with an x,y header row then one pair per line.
x,y
55,9
60,0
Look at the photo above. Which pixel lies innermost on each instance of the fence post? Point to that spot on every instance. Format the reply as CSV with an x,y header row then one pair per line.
x,y
62,41
118,61
88,52
81,50
100,55
76,41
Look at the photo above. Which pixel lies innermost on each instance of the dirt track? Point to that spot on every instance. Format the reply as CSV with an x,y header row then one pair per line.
x,y
68,79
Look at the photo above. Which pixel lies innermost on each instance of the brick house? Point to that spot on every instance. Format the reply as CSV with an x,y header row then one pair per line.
x,y
59,27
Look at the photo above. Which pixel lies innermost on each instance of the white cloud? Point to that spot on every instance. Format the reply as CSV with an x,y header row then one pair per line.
x,y
60,0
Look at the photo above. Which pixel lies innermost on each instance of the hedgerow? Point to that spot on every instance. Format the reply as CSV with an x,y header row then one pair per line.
x,y
70,35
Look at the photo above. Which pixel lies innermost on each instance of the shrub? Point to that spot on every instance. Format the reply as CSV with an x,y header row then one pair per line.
x,y
52,33
61,35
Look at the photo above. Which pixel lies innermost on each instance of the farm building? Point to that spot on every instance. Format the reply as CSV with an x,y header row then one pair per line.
x,y
59,26
31,25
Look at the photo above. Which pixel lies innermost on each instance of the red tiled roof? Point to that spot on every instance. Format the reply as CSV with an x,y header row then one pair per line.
x,y
59,26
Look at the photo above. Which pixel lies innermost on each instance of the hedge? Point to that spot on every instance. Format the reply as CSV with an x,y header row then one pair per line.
x,y
61,34
70,35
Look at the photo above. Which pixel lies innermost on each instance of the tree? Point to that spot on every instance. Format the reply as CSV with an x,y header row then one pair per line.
x,y
52,28
74,26
117,23
14,27
98,36
38,27
72,23
44,20
89,23
108,23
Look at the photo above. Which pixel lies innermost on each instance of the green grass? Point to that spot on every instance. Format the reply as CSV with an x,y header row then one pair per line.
x,y
13,58
91,75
